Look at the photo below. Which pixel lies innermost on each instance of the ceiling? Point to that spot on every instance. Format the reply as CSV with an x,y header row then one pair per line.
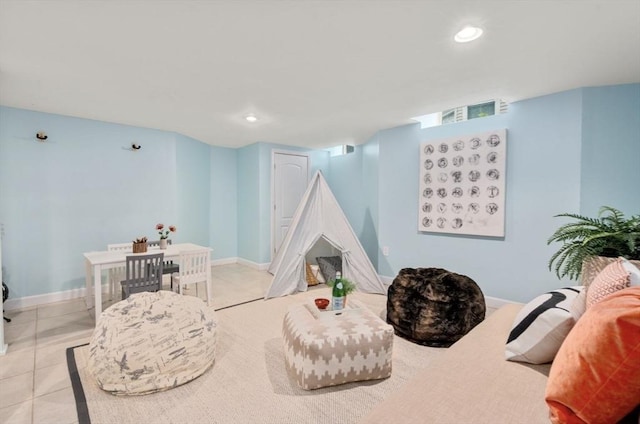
x,y
316,73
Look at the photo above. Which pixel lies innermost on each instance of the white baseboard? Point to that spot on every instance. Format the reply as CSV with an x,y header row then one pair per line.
x,y
224,261
496,302
490,301
241,261
41,299
386,280
254,265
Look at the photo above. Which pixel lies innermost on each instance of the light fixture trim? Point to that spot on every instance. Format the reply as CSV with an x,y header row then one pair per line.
x,y
251,118
467,34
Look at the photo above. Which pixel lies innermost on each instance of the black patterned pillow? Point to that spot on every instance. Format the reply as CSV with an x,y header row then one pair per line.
x,y
541,326
329,265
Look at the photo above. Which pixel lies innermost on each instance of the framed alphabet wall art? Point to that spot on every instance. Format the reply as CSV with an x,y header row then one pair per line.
x,y
462,184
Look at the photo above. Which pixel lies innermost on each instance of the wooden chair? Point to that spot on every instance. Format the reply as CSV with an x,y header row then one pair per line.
x,y
142,273
117,274
193,269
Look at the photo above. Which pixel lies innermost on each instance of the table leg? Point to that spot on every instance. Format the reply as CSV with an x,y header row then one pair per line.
x,y
87,281
209,283
97,286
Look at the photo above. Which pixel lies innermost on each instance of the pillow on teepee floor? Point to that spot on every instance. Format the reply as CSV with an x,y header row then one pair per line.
x,y
311,278
329,265
315,271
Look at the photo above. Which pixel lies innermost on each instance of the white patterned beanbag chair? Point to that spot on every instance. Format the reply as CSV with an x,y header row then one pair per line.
x,y
151,342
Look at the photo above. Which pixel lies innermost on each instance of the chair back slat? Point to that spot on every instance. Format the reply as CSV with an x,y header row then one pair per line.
x,y
193,266
116,274
169,266
156,243
142,273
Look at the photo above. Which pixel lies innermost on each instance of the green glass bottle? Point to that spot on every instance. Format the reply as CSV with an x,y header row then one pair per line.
x,y
337,295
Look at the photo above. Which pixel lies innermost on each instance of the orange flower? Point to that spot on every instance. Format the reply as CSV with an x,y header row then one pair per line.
x,y
165,233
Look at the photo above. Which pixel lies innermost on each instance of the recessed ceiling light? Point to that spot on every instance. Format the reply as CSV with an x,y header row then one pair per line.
x,y
467,34
251,117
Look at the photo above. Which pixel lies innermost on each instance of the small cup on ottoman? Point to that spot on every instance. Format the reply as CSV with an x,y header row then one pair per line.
x,y
434,307
151,342
322,303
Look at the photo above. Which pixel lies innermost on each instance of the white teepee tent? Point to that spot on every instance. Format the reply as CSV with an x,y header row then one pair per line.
x,y
319,216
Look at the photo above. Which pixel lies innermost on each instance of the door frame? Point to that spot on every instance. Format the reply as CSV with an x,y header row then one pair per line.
x,y
275,152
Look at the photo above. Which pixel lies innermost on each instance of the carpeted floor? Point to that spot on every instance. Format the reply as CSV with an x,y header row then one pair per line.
x,y
248,382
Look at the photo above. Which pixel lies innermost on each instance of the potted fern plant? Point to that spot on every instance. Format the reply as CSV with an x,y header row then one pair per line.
x,y
611,234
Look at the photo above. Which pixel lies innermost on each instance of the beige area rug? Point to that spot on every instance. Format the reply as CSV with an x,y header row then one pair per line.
x,y
248,382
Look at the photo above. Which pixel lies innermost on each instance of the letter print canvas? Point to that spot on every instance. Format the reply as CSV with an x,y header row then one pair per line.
x,y
462,184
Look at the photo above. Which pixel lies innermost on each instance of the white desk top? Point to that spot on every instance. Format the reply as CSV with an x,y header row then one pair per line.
x,y
114,257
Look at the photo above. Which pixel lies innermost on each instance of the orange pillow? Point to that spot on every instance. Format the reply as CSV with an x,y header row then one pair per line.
x,y
595,377
612,278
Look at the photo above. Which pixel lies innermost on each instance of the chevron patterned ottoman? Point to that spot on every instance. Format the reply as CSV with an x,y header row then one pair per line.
x,y
323,348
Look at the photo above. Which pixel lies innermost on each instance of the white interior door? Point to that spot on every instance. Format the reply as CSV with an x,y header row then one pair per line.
x,y
290,179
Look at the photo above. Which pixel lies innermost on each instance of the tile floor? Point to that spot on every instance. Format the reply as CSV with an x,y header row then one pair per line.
x,y
34,380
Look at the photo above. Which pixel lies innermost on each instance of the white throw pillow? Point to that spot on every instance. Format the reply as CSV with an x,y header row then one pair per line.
x,y
579,305
634,272
541,326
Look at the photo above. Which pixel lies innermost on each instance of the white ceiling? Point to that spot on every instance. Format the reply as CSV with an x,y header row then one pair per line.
x,y
316,73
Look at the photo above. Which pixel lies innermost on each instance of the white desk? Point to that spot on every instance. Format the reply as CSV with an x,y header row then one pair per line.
x,y
96,262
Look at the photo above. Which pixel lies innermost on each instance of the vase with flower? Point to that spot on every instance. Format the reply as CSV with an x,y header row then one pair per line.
x,y
164,234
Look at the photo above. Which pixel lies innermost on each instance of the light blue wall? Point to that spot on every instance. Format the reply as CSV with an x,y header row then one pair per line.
x,y
80,190
254,196
350,182
264,185
567,152
319,162
611,149
348,189
193,176
354,182
84,188
370,173
543,179
249,202
223,201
